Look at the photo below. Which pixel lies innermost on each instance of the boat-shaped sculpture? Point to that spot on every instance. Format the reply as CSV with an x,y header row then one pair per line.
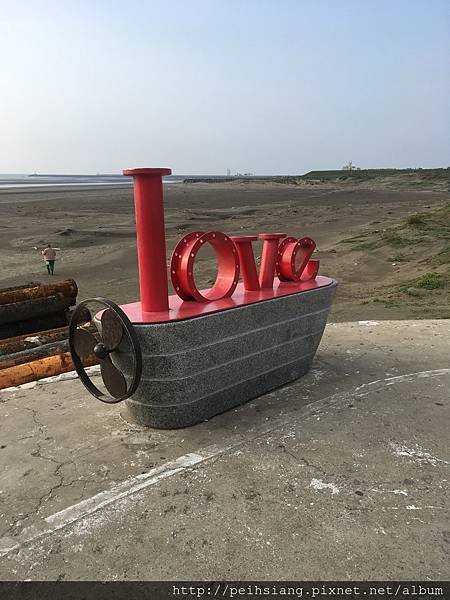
x,y
179,360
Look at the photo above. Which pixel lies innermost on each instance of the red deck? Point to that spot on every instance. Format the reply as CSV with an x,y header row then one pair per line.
x,y
181,309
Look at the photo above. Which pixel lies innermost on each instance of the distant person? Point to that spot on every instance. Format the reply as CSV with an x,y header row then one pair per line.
x,y
49,255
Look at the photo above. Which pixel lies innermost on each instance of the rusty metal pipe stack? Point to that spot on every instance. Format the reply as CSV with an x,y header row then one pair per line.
x,y
34,322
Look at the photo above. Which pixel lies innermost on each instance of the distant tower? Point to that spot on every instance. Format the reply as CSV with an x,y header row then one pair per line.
x,y
228,172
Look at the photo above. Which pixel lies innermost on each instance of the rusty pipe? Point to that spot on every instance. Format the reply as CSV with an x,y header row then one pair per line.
x,y
38,369
39,338
31,340
67,290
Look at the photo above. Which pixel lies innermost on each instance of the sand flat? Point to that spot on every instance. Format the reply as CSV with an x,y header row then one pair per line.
x,y
95,230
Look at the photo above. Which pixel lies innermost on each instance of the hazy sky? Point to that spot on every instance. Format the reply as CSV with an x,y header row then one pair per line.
x,y
266,86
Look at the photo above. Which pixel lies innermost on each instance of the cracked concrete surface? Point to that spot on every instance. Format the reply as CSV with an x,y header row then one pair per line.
x,y
343,474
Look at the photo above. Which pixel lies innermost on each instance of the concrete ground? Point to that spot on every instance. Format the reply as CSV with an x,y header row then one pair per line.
x,y
342,475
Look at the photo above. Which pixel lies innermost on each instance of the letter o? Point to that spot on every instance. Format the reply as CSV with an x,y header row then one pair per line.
x,y
182,266
293,252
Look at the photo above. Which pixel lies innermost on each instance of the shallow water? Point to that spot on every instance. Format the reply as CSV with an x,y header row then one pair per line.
x,y
9,181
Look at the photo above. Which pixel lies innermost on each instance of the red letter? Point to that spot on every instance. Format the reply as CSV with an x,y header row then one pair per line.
x,y
182,266
294,258
269,258
247,260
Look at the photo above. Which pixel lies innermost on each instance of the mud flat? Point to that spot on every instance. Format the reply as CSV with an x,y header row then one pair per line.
x,y
387,245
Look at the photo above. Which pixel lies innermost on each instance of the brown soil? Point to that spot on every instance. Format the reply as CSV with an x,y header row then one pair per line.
x,y
95,231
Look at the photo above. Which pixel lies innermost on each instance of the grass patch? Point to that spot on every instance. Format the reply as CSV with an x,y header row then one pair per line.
x,y
397,258
416,220
426,175
431,281
426,295
366,245
391,302
420,244
417,230
392,238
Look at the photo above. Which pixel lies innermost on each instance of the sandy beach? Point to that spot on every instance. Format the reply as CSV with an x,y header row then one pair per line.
x,y
377,240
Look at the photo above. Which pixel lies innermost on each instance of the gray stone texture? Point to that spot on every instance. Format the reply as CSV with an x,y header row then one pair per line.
x,y
200,367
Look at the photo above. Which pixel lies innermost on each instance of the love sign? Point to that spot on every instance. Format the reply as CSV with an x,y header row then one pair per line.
x,y
290,260
287,257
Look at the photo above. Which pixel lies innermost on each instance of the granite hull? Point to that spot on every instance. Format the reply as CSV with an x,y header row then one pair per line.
x,y
196,368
